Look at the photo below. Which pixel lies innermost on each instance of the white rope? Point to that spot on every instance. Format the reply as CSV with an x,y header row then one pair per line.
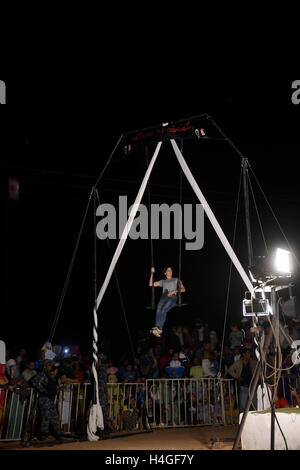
x,y
96,414
211,217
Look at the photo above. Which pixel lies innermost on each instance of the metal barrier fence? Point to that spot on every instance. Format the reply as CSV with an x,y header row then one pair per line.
x,y
17,406
14,409
191,402
156,403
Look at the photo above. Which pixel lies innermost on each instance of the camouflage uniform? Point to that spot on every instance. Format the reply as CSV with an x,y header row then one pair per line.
x,y
103,399
46,387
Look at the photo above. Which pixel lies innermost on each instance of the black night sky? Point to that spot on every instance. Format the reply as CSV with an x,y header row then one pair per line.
x,y
56,136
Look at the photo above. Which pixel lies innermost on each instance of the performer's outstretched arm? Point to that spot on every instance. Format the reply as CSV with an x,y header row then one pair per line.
x,y
151,283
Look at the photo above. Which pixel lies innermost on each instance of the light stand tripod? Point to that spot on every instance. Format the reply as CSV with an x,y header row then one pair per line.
x,y
259,372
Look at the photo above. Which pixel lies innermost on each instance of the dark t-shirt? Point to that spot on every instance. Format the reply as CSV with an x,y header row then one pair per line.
x,y
246,376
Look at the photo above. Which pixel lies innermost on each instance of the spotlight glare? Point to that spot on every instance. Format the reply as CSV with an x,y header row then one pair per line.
x,y
283,261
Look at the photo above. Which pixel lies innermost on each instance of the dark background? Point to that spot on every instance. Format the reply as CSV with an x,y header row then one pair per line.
x,y
56,135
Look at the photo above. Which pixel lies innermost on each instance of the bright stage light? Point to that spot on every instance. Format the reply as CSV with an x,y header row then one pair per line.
x,y
283,263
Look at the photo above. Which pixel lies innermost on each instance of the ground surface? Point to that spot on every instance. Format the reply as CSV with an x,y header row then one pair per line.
x,y
167,439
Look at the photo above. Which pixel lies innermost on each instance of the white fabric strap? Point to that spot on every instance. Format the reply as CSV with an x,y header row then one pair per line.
x,y
96,414
128,226
211,217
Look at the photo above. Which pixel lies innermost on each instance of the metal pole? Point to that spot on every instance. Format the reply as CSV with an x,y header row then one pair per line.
x,y
253,390
245,165
275,312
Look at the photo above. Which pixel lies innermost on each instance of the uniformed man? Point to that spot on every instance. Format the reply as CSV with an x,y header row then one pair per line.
x,y
46,386
101,368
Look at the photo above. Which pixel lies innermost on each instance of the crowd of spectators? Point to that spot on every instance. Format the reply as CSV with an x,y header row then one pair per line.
x,y
186,351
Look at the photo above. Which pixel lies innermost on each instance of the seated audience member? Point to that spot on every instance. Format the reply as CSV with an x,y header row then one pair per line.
x,y
157,352
148,365
228,357
129,374
175,368
237,354
154,370
165,359
185,356
235,337
112,369
179,334
206,365
205,347
213,340
188,341
21,360
196,369
198,333
40,360
206,332
122,369
144,365
215,362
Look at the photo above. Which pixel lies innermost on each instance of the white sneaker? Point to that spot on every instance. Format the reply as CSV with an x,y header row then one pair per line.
x,y
156,332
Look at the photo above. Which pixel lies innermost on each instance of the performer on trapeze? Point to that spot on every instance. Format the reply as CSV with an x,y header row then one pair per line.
x,y
168,299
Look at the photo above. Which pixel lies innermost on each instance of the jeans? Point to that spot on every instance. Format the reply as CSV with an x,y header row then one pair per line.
x,y
164,306
243,399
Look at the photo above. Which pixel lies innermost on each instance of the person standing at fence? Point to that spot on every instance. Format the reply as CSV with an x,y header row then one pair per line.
x,y
47,388
29,372
103,398
64,400
15,402
243,371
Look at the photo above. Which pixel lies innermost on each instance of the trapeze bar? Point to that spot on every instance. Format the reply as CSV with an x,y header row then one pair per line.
x,y
166,124
189,128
